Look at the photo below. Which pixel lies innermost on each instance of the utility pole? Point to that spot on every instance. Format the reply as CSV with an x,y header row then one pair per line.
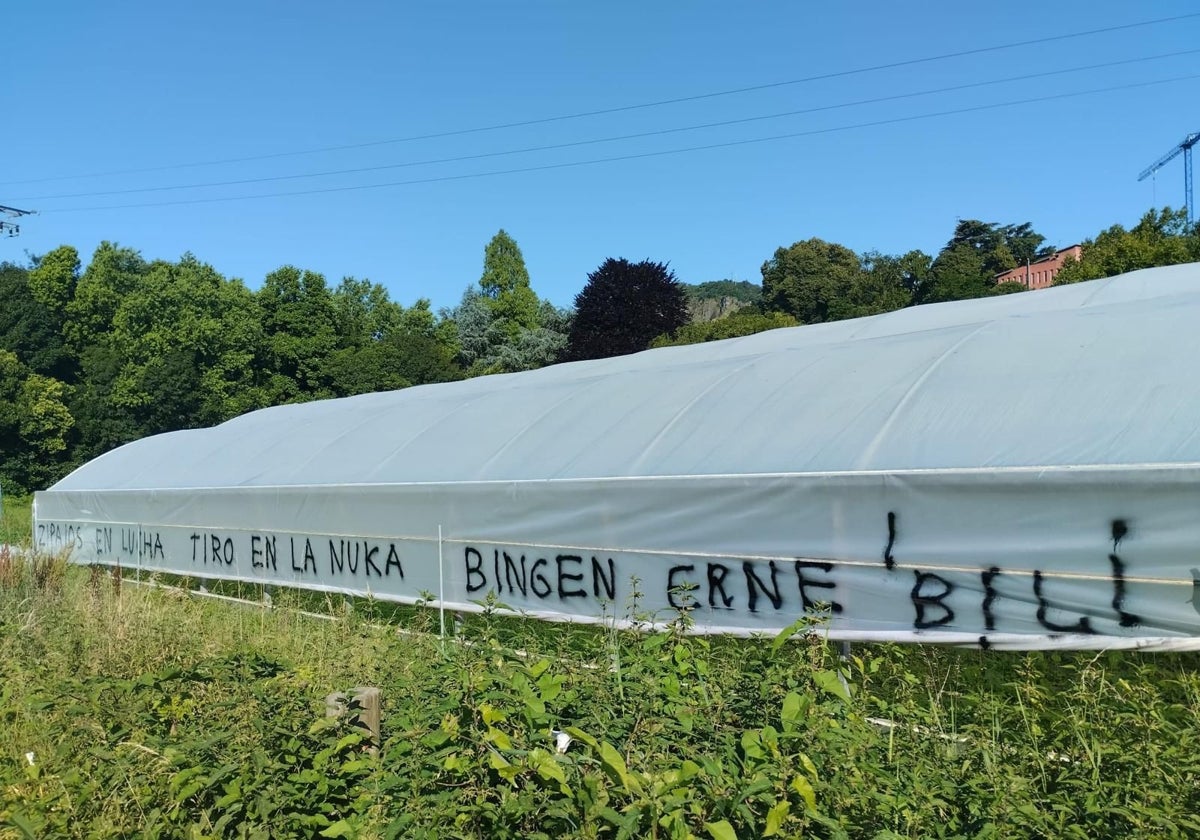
x,y
11,228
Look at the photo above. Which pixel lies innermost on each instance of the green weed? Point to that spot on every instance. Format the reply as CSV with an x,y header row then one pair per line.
x,y
127,711
16,520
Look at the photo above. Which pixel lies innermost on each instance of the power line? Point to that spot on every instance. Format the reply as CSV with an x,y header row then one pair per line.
x,y
638,156
611,139
624,108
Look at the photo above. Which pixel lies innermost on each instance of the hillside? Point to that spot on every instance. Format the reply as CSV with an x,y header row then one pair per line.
x,y
718,298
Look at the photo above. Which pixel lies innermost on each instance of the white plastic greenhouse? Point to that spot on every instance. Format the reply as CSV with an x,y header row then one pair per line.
x,y
1019,471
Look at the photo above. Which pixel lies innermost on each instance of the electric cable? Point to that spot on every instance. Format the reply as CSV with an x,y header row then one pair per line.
x,y
624,108
611,139
637,156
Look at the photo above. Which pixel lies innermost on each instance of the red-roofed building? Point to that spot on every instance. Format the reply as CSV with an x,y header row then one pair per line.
x,y
1040,273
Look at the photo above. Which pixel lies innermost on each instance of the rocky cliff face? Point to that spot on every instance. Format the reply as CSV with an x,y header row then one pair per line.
x,y
710,309
719,298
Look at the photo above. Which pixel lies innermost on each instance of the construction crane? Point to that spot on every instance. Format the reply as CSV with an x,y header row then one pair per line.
x,y
1185,148
9,228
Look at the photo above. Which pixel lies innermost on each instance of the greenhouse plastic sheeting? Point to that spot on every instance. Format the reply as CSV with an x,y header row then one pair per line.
x,y
1016,471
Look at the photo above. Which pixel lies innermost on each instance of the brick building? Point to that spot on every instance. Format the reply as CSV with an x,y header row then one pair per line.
x,y
1040,273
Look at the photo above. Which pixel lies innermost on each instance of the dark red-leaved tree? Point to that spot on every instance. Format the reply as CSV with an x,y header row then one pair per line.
x,y
623,307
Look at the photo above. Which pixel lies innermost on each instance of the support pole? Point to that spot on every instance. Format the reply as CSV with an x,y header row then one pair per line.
x,y
441,588
364,708
1187,184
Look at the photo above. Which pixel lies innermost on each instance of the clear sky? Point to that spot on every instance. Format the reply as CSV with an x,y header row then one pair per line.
x,y
132,85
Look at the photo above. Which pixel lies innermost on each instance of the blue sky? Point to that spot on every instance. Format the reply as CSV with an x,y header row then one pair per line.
x,y
111,87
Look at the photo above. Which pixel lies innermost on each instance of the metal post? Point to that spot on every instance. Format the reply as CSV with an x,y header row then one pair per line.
x,y
441,588
1187,184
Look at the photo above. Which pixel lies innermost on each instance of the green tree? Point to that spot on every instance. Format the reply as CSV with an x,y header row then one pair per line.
x,y
363,312
112,274
958,273
809,279
484,346
898,277
1025,244
53,281
34,425
882,285
100,424
623,307
538,347
87,329
740,323
1009,287
187,339
412,348
27,327
967,266
298,319
743,291
505,286
1161,237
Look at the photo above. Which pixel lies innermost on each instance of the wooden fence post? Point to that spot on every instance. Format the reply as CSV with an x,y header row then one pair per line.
x,y
364,707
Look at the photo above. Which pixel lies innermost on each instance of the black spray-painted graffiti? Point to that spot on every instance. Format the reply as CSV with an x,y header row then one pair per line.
x,y
354,557
131,542
59,535
769,592
938,597
720,583
563,576
931,591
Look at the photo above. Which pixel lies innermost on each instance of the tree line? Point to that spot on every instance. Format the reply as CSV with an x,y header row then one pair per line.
x,y
94,357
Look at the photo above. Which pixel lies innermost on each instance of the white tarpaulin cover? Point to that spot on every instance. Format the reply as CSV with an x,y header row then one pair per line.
x,y
1019,471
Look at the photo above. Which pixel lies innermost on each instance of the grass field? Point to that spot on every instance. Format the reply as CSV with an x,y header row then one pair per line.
x,y
132,712
16,520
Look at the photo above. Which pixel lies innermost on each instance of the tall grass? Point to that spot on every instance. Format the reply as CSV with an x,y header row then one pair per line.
x,y
16,520
133,712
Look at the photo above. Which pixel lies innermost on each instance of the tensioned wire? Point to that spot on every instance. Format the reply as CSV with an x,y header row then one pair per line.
x,y
643,105
611,139
627,157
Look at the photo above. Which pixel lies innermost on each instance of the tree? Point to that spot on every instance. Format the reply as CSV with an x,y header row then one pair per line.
x,y
479,335
186,339
958,273
1161,237
112,274
363,312
806,279
100,425
34,424
486,347
882,285
505,286
1009,287
408,347
298,318
743,322
53,281
623,307
1025,244
899,276
538,347
967,266
27,327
